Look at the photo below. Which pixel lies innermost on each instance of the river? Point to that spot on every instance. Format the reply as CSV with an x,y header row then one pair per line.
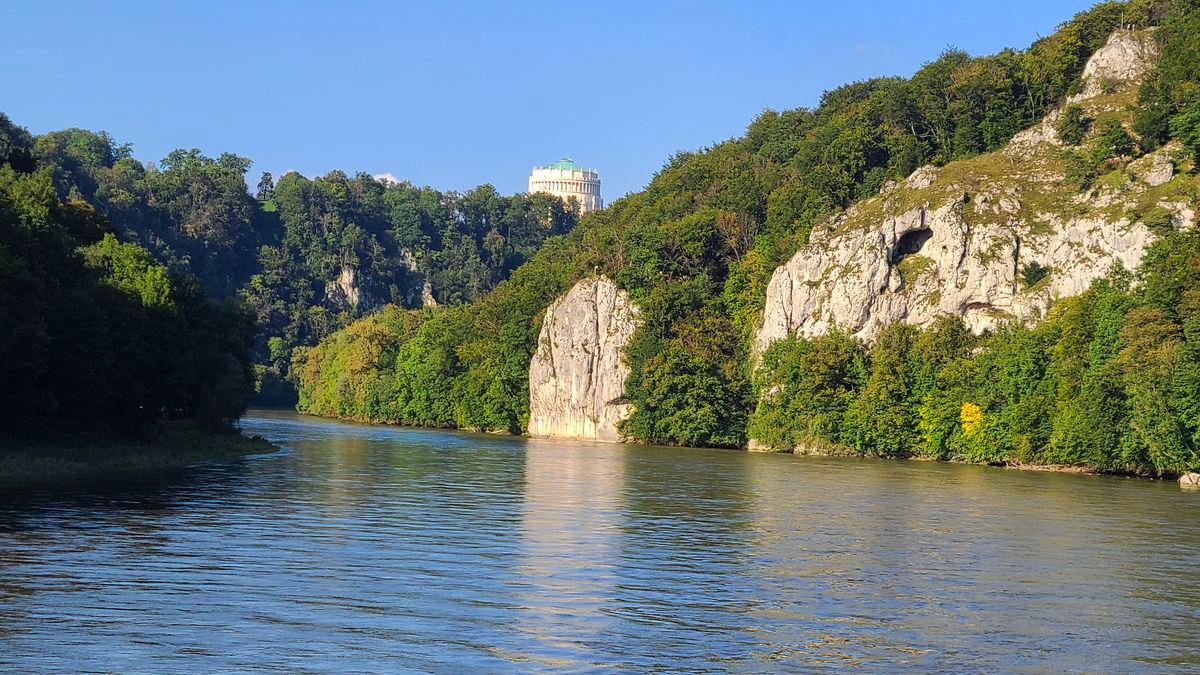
x,y
362,547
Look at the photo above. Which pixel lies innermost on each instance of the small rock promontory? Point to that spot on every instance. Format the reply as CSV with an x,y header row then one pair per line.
x,y
577,375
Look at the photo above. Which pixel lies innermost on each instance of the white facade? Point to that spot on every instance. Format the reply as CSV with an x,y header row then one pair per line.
x,y
566,179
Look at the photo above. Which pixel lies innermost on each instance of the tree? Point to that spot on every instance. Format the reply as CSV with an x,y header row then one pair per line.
x,y
1151,346
882,420
266,187
1112,141
1073,125
804,388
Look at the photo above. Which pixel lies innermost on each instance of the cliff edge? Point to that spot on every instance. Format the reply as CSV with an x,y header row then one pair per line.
x,y
577,375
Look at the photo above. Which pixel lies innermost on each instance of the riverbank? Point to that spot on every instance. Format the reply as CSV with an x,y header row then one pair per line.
x,y
358,419
72,458
808,450
817,449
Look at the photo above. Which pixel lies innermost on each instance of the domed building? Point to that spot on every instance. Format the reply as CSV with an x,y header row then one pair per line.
x,y
566,179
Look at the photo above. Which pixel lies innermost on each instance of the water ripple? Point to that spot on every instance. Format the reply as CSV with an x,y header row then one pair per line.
x,y
376,548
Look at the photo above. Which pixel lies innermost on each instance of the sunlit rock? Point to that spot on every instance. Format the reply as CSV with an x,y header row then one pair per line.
x,y
1125,58
577,375
991,239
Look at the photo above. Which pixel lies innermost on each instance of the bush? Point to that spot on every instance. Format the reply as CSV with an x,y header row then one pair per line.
x,y
1073,125
1032,272
1079,169
1113,141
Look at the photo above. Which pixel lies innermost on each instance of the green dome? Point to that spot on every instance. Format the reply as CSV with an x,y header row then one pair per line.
x,y
567,164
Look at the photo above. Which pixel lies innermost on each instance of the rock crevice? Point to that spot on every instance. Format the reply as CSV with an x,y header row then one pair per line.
x,y
927,262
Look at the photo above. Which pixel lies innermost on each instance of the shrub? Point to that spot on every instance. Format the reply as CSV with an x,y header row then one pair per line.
x,y
1032,272
1073,125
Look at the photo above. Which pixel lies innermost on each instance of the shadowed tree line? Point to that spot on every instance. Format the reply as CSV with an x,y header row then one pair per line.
x,y
100,338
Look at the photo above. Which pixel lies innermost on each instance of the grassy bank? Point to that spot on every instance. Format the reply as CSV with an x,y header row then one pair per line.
x,y
71,458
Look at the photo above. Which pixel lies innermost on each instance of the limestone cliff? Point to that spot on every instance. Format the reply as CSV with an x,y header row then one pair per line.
x,y
577,375
344,293
991,239
1123,60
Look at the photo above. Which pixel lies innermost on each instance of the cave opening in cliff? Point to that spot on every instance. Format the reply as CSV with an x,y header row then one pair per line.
x,y
910,243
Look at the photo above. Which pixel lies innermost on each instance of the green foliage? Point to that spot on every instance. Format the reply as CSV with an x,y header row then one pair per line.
x,y
1112,145
804,389
307,256
99,337
1073,125
109,329
688,389
1079,168
130,269
464,366
1161,221
882,419
1151,345
696,250
1169,97
1109,381
1032,272
1185,125
1112,141
396,240
16,146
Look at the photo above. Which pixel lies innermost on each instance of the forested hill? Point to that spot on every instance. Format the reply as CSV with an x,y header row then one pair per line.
x,y
695,250
307,256
99,339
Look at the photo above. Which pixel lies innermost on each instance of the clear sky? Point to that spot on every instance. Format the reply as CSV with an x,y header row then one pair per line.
x,y
454,94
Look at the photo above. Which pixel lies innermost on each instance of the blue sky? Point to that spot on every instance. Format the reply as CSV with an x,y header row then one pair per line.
x,y
456,94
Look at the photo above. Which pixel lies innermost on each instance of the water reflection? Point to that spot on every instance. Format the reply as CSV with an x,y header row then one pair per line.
x,y
569,525
687,524
376,548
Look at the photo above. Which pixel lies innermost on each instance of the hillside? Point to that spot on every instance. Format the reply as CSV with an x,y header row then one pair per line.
x,y
1030,305
103,349
307,256
996,238
696,253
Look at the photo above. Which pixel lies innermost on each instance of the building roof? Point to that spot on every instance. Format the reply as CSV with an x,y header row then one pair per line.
x,y
567,164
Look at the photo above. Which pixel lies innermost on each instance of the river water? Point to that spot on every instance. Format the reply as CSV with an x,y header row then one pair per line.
x,y
377,548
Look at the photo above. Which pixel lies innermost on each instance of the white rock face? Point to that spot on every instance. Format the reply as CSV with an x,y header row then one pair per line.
x,y
344,292
419,292
1126,57
427,299
928,261
1159,170
1026,142
966,243
577,376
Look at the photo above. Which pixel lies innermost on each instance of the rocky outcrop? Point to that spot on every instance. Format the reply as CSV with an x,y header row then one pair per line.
x,y
344,292
1156,169
1190,481
577,375
418,290
427,299
991,239
929,261
1124,59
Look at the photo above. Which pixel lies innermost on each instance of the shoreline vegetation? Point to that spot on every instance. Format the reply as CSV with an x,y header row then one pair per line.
x,y
831,453
169,445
